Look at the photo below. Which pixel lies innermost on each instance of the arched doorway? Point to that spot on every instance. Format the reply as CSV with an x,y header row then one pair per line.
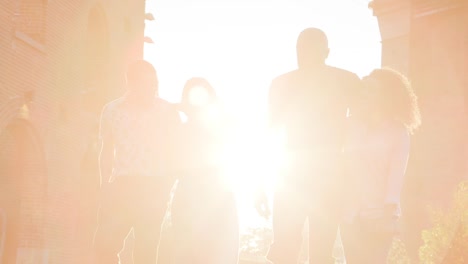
x,y
23,192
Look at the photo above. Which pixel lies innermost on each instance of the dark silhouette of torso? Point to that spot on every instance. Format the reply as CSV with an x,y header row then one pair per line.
x,y
311,105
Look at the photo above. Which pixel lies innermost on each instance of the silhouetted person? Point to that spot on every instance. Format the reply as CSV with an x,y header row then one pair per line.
x,y
135,132
204,215
310,104
377,151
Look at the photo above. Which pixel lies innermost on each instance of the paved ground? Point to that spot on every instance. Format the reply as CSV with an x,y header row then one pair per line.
x,y
126,254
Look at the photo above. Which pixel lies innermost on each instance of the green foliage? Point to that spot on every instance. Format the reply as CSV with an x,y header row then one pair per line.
x,y
398,253
447,241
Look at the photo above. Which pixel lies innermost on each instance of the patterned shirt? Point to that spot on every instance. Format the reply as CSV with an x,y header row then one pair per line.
x,y
138,135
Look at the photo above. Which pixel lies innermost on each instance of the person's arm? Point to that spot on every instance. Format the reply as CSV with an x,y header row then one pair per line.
x,y
354,93
274,105
397,169
106,155
173,143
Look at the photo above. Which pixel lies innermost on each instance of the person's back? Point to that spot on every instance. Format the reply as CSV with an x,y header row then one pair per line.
x,y
311,105
139,134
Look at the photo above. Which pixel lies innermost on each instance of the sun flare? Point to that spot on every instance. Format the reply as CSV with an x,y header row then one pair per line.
x,y
239,47
253,159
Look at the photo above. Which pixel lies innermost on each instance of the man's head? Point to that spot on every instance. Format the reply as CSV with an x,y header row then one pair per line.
x,y
142,79
312,48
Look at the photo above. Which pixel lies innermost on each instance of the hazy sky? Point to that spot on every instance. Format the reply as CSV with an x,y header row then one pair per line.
x,y
240,45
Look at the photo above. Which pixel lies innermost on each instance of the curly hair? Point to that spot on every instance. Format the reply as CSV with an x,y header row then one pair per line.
x,y
396,97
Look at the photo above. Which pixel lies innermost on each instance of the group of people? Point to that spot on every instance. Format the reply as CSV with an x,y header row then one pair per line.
x,y
347,140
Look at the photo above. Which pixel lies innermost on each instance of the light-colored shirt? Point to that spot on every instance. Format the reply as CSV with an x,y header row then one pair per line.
x,y
136,135
377,158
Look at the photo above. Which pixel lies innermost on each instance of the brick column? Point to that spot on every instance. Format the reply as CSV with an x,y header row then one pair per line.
x,y
394,17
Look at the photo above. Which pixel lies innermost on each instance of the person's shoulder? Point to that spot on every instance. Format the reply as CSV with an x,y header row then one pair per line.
x,y
285,77
168,109
165,105
281,82
342,73
112,105
162,102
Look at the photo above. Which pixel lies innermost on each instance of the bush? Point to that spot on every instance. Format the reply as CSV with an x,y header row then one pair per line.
x,y
447,241
398,253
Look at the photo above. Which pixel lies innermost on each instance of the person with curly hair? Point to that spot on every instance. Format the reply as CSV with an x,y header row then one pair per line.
x,y
377,151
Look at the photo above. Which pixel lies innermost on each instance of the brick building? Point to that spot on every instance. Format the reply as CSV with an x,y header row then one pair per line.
x,y
60,61
428,41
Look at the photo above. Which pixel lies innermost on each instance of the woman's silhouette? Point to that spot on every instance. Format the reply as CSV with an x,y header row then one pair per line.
x,y
204,217
378,149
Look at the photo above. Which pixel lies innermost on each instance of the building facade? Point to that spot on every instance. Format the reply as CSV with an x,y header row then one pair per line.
x,y
428,41
60,62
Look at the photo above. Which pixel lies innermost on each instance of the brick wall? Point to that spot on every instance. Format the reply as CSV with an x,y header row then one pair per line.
x,y
433,55
62,117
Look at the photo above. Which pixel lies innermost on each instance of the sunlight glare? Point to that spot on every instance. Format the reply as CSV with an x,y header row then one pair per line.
x,y
199,96
252,160
239,47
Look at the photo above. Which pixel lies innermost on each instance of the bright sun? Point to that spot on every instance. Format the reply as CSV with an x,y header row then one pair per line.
x,y
253,159
240,46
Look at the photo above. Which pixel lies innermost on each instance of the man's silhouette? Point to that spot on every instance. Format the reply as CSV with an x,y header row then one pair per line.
x,y
310,104
135,132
